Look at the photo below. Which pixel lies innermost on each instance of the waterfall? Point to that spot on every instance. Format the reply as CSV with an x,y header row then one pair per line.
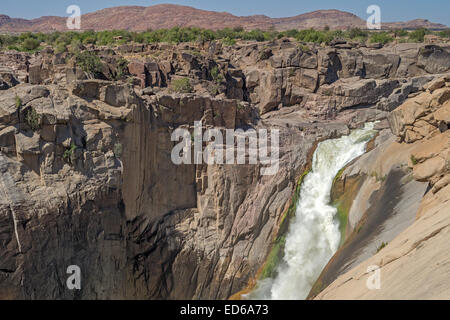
x,y
313,235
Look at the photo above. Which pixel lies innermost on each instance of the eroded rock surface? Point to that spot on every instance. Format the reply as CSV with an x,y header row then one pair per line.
x,y
87,177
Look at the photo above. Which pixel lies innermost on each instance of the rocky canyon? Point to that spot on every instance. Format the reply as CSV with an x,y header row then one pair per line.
x,y
86,176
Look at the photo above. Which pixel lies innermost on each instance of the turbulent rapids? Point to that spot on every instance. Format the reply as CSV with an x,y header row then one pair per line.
x,y
313,235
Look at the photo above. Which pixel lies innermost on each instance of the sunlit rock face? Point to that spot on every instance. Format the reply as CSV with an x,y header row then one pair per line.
x,y
86,171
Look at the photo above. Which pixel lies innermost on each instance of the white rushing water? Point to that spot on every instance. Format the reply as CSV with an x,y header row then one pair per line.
x,y
313,235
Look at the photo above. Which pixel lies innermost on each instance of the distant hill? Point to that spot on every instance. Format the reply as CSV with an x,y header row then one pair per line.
x,y
137,18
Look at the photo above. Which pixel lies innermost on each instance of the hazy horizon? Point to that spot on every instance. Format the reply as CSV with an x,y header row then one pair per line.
x,y
433,10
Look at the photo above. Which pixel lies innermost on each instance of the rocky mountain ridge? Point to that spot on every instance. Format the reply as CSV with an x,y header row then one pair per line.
x,y
168,16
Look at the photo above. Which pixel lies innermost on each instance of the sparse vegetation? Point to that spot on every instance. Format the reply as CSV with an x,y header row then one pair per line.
x,y
400,33
228,41
213,90
413,160
122,68
291,73
118,150
358,230
61,40
378,177
357,33
304,47
265,54
342,196
89,62
381,37
32,118
216,75
311,35
18,102
30,44
445,33
417,35
274,256
131,80
338,175
69,153
382,245
181,85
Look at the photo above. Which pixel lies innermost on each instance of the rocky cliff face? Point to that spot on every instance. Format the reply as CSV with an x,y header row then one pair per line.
x,y
87,177
93,184
405,204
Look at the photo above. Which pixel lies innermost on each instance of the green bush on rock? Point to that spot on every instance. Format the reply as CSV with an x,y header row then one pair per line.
x,y
181,85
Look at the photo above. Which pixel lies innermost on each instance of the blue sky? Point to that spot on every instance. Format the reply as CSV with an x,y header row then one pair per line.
x,y
391,10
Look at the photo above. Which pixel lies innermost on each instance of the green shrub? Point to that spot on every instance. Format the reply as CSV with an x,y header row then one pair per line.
x,y
291,33
216,75
32,118
8,40
30,44
418,35
304,48
311,35
382,245
400,33
414,160
182,85
213,90
18,102
89,40
445,33
69,153
122,68
59,40
76,46
228,41
60,47
357,33
16,48
381,37
257,35
90,63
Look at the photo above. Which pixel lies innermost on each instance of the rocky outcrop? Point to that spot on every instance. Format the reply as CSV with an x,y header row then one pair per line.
x,y
87,176
424,115
7,80
333,78
271,75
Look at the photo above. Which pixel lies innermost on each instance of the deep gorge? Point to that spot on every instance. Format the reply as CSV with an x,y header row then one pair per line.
x,y
91,181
